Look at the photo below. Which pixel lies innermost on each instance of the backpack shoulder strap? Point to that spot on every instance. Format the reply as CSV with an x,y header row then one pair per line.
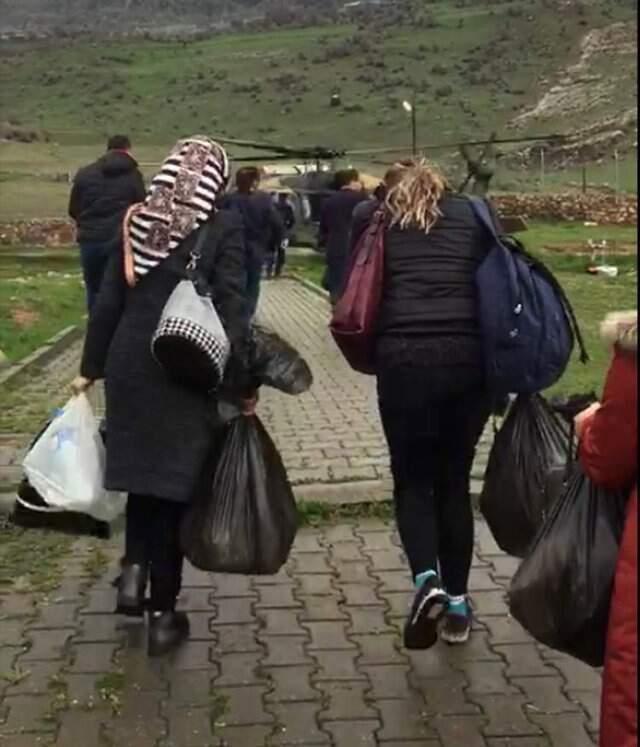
x,y
483,214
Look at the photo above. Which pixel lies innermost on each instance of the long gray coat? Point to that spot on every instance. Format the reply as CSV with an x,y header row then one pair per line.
x,y
159,433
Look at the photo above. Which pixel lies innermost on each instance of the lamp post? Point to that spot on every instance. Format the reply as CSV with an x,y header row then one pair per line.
x,y
410,108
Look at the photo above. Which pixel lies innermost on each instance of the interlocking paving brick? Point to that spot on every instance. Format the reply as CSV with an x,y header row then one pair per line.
x,y
279,622
191,689
290,684
487,603
286,652
17,605
351,571
298,725
403,719
276,597
312,562
53,616
564,730
476,649
395,581
446,696
336,665
190,728
25,740
308,540
360,594
79,727
49,646
577,675
542,741
80,688
387,681
487,678
237,639
193,655
27,714
139,722
238,669
460,730
233,612
244,706
230,586
242,736
353,733
316,585
524,660
367,620
505,630
545,694
590,701
344,701
387,560
378,649
34,677
100,629
346,552
506,716
141,673
328,636
13,633
322,609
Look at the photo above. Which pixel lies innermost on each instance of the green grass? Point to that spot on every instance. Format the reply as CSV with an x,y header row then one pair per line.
x,y
31,560
39,296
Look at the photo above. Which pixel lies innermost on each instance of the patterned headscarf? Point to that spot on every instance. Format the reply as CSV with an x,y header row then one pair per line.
x,y
181,198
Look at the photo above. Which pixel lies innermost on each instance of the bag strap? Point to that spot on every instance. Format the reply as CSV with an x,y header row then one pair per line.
x,y
483,214
196,253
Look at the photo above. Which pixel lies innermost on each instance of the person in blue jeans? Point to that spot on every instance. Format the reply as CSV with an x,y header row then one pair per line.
x,y
101,195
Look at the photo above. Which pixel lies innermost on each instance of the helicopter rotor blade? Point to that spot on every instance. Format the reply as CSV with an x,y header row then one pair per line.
x,y
453,145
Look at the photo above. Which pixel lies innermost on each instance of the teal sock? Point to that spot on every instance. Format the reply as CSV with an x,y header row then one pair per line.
x,y
458,605
424,576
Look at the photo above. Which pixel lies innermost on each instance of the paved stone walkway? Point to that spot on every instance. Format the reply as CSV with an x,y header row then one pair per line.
x,y
311,656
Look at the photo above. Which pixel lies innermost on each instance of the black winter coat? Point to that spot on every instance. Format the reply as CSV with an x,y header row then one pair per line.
x,y
101,195
429,296
262,223
159,433
334,233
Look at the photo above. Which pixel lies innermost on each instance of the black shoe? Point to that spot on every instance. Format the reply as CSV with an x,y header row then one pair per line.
x,y
429,605
167,630
131,587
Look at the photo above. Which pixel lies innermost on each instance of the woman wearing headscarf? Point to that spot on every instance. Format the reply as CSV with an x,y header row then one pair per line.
x,y
431,388
160,432
608,433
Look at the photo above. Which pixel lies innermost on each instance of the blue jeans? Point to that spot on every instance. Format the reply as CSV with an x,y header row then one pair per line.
x,y
254,276
94,259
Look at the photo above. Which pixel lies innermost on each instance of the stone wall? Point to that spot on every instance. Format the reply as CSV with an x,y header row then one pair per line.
x,y
51,233
600,207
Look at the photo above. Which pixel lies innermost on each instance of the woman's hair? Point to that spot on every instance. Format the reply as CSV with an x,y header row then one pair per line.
x,y
413,201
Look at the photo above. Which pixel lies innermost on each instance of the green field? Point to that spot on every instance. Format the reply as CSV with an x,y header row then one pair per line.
x,y
473,70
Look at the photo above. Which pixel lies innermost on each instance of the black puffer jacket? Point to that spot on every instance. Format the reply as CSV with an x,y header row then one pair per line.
x,y
101,195
429,297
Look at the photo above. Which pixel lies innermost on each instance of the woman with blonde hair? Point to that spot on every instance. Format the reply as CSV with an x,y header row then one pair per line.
x,y
431,389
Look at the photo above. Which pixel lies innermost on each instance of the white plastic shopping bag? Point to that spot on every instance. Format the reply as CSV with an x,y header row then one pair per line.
x,y
66,465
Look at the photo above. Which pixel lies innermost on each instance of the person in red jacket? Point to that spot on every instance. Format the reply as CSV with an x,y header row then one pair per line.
x,y
609,453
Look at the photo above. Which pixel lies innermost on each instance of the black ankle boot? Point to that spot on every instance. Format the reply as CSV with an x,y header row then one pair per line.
x,y
131,587
167,630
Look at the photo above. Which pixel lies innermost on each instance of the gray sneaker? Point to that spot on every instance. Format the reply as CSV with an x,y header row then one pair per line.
x,y
456,628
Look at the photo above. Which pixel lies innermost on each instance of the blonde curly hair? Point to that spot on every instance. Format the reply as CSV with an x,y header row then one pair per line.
x,y
413,201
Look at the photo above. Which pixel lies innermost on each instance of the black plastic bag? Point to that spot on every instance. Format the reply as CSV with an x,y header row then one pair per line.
x,y
244,517
278,364
561,593
532,443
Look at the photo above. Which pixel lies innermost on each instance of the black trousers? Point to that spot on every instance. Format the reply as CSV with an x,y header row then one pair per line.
x,y
153,540
433,419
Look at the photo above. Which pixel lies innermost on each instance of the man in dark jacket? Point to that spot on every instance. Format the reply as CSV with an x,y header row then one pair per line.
x,y
335,226
262,225
101,194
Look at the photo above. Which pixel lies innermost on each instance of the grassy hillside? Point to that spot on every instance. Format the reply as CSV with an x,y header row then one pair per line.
x,y
475,66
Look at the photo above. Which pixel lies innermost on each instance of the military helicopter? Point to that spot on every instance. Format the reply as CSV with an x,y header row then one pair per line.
x,y
314,171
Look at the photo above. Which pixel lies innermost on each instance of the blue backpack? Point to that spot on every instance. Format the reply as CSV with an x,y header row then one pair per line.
x,y
527,323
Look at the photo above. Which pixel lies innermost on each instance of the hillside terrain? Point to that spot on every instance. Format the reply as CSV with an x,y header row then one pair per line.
x,y
519,67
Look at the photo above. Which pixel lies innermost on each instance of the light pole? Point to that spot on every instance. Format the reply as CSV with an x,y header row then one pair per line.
x,y
410,108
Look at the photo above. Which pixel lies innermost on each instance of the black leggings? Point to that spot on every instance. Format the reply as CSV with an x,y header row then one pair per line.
x,y
153,541
433,419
